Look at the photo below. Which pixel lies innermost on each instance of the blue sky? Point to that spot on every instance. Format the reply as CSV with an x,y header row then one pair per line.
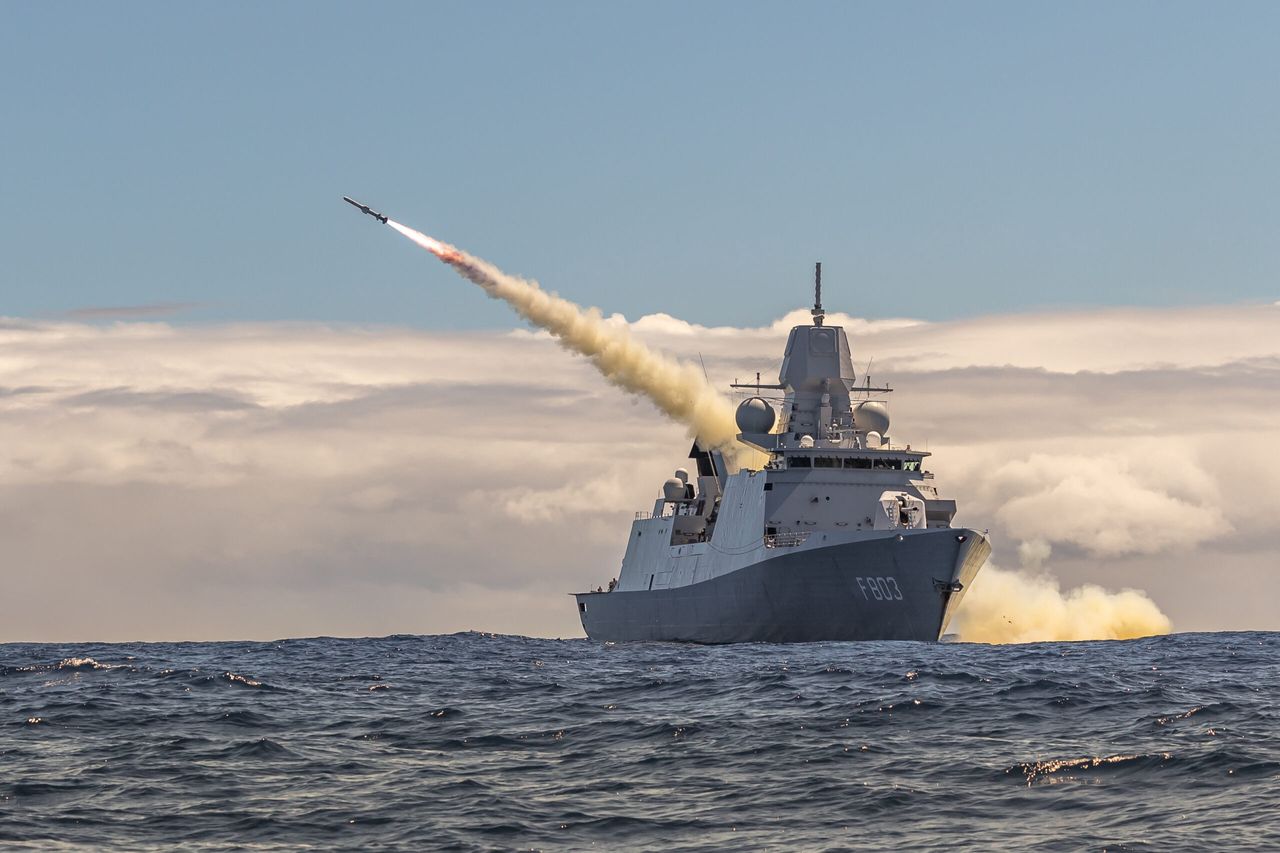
x,y
943,160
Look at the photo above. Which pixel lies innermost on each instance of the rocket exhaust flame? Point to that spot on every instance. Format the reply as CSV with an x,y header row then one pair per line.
x,y
443,251
679,390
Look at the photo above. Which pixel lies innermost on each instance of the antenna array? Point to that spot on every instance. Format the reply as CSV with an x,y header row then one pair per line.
x,y
818,314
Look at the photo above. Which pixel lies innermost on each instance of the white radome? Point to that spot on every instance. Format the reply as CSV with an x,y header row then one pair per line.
x,y
673,489
871,417
755,415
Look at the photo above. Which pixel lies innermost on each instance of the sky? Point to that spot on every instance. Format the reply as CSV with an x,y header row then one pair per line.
x,y
233,407
943,160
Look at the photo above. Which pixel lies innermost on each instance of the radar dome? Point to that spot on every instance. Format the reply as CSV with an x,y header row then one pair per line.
x,y
682,475
673,489
755,415
871,417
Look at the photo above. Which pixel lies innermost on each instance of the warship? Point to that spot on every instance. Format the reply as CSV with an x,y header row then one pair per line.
x,y
839,534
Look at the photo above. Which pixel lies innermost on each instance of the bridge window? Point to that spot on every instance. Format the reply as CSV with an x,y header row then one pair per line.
x,y
857,463
799,462
825,462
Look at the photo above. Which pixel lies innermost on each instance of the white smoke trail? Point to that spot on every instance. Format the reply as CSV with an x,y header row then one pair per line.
x,y
679,390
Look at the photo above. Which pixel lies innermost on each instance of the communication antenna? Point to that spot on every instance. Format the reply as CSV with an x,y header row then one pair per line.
x,y
818,313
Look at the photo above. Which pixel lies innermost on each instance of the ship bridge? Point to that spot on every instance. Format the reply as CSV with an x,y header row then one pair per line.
x,y
858,459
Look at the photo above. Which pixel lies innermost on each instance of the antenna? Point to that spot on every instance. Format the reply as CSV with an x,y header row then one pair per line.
x,y
818,313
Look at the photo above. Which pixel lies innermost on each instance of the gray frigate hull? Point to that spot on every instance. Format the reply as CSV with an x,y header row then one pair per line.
x,y
900,587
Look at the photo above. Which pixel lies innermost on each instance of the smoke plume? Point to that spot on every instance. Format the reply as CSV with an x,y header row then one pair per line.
x,y
1029,606
679,390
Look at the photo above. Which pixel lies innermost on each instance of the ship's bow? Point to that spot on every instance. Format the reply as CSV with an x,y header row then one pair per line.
x,y
974,549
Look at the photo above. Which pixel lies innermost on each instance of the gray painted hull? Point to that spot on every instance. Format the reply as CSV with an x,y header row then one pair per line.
x,y
890,588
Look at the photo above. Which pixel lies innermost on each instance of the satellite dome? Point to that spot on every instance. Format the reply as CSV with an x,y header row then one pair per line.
x,y
755,415
682,475
871,417
673,489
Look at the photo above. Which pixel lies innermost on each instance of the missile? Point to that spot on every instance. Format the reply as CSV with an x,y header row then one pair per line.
x,y
364,208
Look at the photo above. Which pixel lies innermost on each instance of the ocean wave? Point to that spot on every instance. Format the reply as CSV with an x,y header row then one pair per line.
x,y
474,741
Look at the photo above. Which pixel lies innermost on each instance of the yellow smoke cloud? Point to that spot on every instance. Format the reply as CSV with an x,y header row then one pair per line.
x,y
678,389
1017,607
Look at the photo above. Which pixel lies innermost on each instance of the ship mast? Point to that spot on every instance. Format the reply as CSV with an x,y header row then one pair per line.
x,y
818,314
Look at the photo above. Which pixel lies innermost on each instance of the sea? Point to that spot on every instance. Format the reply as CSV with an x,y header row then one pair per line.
x,y
488,742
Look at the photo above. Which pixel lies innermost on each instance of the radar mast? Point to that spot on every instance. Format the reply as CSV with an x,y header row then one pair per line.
x,y
818,314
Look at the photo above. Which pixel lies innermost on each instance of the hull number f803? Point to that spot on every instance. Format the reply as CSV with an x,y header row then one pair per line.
x,y
879,589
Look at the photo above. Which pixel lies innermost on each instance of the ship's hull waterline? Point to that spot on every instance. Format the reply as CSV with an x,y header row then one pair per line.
x,y
900,587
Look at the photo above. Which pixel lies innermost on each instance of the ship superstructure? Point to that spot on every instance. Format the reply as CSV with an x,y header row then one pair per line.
x,y
840,535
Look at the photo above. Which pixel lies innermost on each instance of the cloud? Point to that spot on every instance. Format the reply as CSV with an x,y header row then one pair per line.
x,y
186,401
123,312
262,480
1100,504
26,389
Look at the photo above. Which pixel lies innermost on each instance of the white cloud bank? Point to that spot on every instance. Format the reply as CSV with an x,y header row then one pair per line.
x,y
291,479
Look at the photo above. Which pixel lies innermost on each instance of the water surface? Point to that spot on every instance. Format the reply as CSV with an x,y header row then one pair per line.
x,y
479,742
